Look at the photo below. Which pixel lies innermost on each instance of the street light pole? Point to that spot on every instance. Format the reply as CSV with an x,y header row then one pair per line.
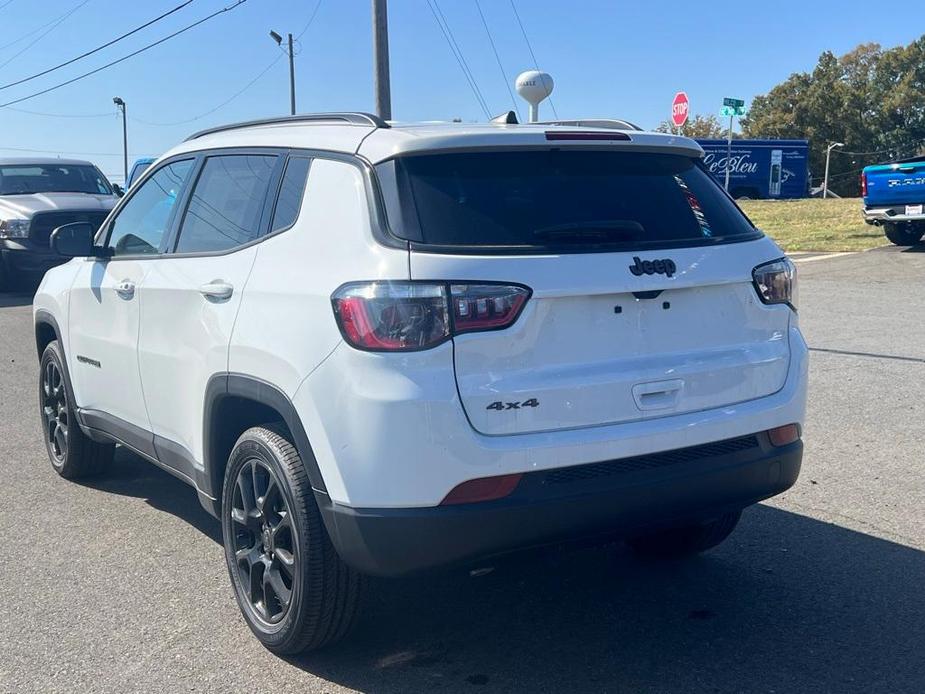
x,y
279,42
120,104
381,60
728,152
828,153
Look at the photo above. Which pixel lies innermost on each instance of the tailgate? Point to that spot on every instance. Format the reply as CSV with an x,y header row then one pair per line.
x,y
896,184
599,345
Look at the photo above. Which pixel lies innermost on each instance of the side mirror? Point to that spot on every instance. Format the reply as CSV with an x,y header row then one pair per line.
x,y
119,190
75,240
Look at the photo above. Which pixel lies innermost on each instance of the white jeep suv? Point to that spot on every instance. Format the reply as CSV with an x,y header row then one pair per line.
x,y
375,348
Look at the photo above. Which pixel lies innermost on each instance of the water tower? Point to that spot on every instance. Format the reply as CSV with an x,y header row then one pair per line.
x,y
534,86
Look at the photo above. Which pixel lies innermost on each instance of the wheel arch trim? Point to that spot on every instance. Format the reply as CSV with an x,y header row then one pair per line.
x,y
235,385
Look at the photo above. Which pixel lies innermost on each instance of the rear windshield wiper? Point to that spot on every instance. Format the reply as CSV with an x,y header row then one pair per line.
x,y
617,230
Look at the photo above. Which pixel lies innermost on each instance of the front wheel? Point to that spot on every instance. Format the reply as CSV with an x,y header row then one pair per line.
x,y
903,234
294,591
71,452
687,540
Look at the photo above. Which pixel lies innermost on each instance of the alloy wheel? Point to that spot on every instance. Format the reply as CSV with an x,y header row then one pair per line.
x,y
263,541
54,407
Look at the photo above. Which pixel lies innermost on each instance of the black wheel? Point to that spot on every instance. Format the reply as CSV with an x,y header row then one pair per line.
x,y
686,540
293,590
903,234
72,453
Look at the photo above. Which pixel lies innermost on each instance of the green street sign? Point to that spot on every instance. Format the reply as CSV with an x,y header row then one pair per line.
x,y
734,103
727,111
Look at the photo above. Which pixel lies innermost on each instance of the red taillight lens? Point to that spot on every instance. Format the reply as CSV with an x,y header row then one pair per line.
x,y
406,316
482,489
486,306
392,316
863,185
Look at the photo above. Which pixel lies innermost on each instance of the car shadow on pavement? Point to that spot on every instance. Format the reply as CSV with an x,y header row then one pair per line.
x,y
130,475
787,604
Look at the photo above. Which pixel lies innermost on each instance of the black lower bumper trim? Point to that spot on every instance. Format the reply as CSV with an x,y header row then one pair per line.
x,y
622,497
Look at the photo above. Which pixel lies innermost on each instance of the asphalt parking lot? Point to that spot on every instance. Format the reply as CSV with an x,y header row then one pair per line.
x,y
119,584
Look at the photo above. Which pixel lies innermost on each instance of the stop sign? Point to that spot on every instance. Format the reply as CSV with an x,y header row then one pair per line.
x,y
680,107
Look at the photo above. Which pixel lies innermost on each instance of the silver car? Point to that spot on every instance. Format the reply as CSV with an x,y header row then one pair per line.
x,y
36,197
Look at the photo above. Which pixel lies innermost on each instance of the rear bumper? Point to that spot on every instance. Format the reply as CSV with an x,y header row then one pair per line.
x,y
895,213
619,497
22,257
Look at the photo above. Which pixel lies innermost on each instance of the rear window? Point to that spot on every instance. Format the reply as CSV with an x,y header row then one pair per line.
x,y
558,200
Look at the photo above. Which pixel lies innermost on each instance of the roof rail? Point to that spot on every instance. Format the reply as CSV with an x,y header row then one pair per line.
x,y
351,118
610,123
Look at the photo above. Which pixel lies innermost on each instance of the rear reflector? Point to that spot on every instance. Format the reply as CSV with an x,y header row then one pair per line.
x,y
785,435
587,136
482,489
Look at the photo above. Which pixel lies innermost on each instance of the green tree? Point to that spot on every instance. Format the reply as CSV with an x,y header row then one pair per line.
x,y
703,127
870,99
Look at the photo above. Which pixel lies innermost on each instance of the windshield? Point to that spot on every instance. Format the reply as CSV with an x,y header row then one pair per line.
x,y
561,200
24,179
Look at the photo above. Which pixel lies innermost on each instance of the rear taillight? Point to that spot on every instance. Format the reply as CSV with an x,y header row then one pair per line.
x,y
863,184
776,282
407,316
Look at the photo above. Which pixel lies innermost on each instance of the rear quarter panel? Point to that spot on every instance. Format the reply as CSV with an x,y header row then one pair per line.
x,y
286,324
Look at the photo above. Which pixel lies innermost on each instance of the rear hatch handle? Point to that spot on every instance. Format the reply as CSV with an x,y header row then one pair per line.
x,y
658,395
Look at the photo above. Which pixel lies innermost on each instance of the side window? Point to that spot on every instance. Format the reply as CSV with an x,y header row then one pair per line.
x,y
227,203
290,193
140,226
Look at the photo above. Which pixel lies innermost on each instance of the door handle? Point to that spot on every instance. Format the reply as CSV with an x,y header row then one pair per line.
x,y
217,290
126,289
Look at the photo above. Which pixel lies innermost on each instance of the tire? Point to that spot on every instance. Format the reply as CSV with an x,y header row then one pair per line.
x,y
72,453
294,557
903,234
685,541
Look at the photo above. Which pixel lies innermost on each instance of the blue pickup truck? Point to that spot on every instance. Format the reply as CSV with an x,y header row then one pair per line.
x,y
894,198
760,169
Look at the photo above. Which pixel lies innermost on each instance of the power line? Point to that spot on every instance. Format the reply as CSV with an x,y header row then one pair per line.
x,y
221,105
38,28
54,25
98,48
126,57
459,50
461,61
108,114
58,151
238,93
532,54
5,4
498,58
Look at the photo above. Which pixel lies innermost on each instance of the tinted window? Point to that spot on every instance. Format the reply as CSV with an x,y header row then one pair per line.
x,y
141,223
24,179
227,203
290,193
560,199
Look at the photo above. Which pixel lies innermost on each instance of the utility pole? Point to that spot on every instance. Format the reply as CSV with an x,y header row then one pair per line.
x,y
120,104
291,79
381,59
828,153
279,42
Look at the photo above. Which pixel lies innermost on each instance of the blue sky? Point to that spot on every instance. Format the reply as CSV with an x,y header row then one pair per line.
x,y
608,59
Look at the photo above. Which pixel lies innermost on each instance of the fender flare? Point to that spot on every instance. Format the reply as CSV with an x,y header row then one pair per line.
x,y
225,385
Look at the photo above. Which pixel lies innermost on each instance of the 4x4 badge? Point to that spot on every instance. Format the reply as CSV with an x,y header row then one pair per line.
x,y
665,266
